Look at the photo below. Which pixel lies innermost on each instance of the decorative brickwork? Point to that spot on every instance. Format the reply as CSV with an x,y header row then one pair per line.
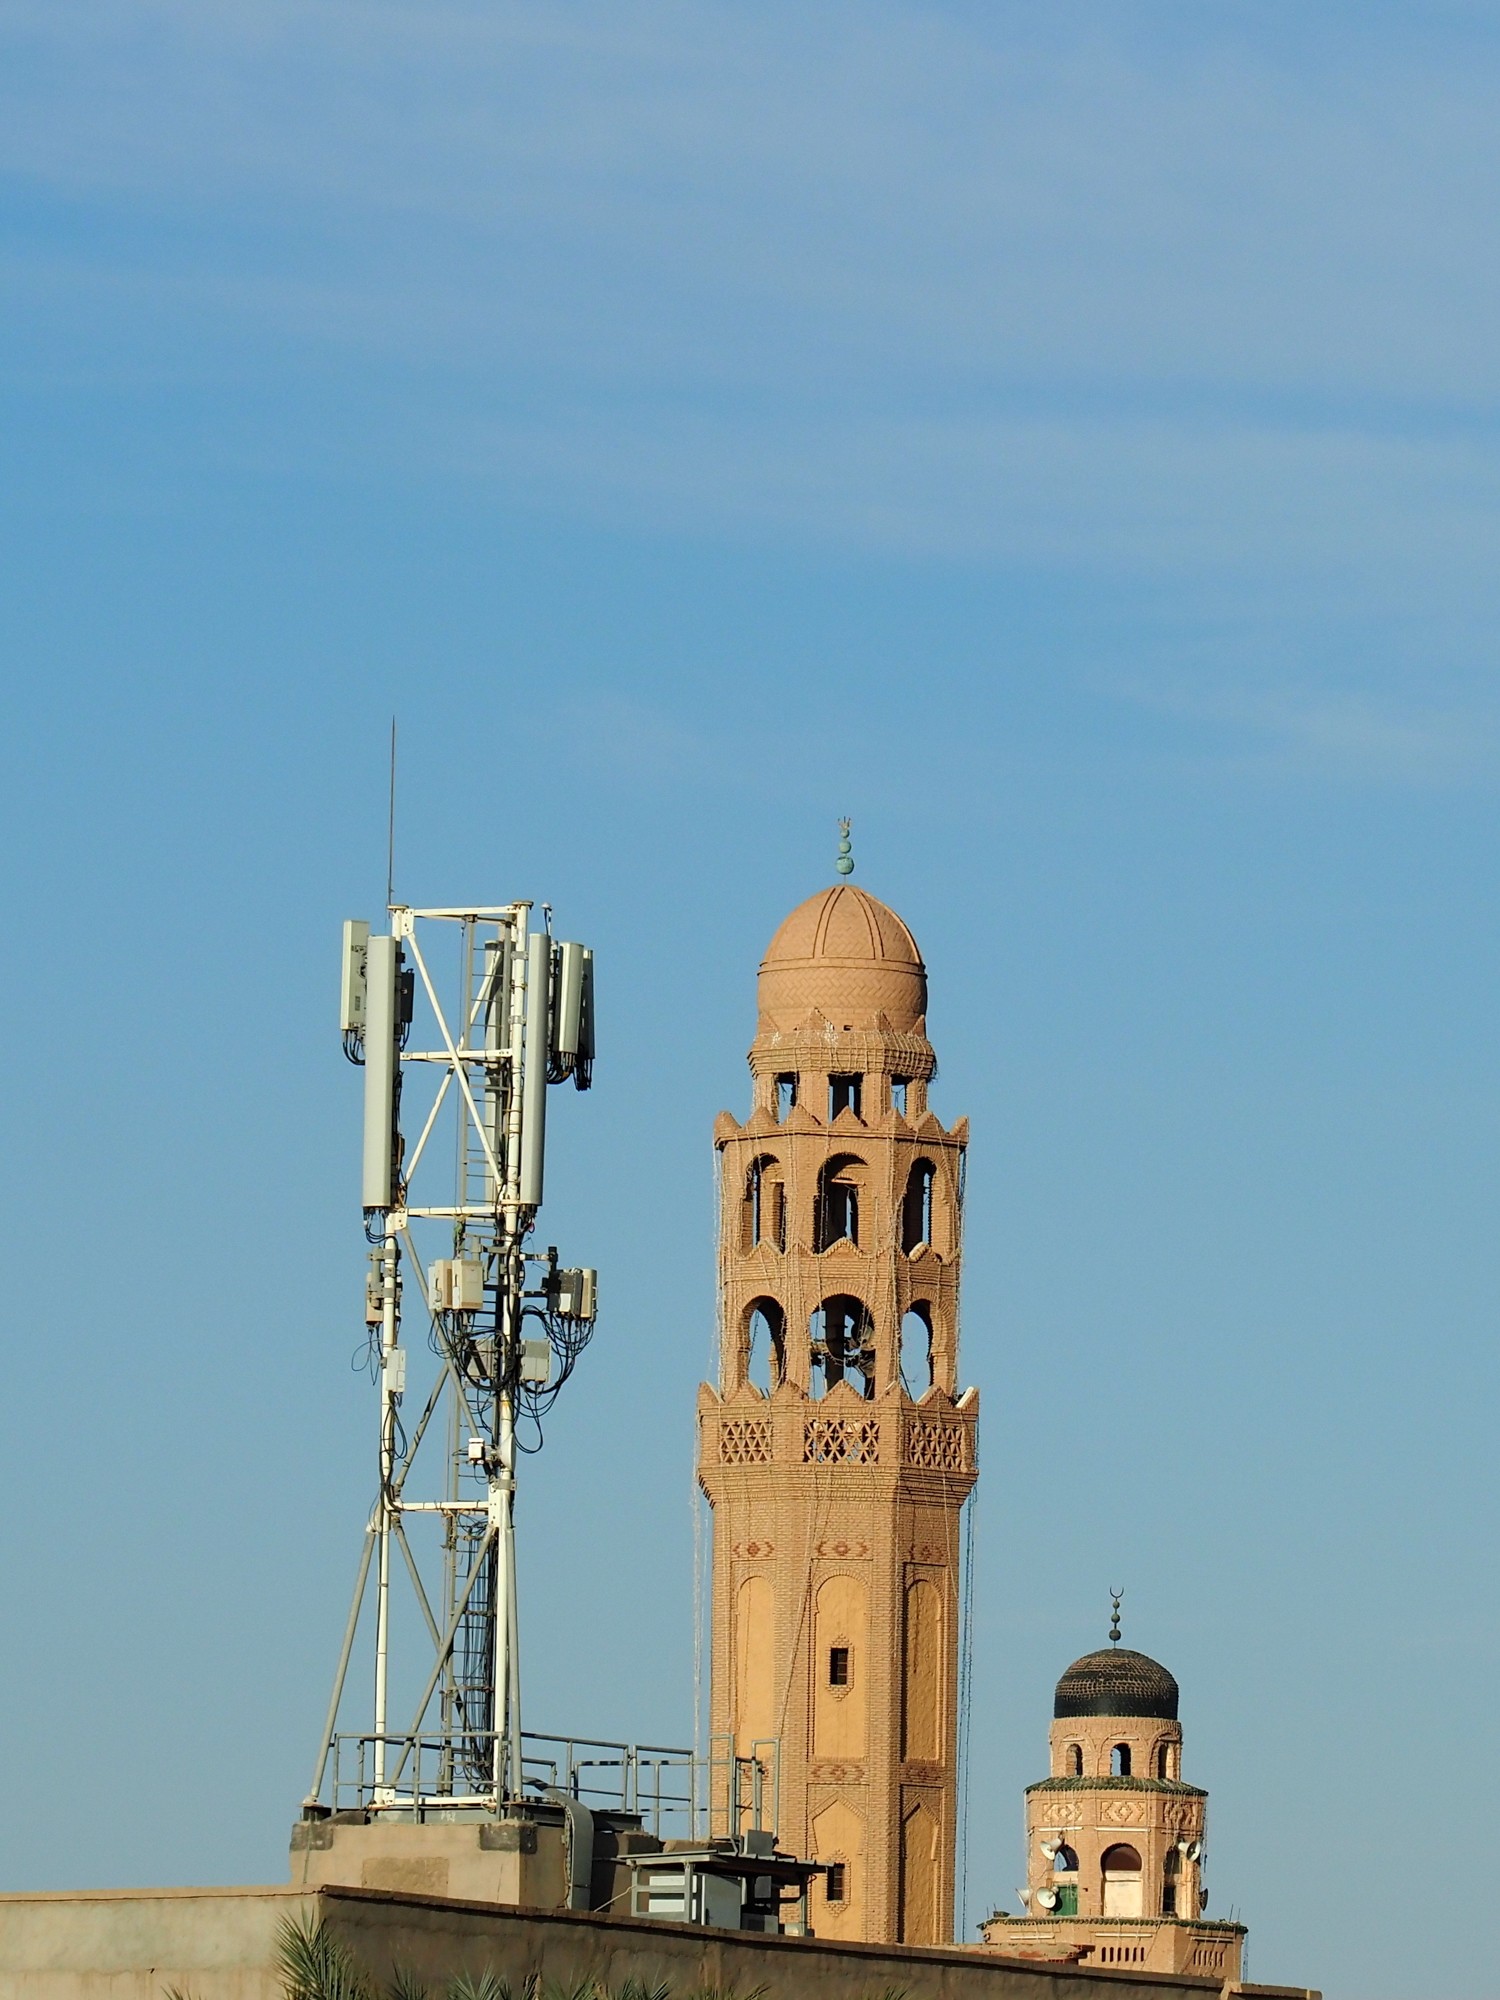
x,y
745,1441
939,1447
838,1441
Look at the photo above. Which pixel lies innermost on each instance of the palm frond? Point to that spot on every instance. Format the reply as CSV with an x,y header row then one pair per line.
x,y
314,1965
487,1986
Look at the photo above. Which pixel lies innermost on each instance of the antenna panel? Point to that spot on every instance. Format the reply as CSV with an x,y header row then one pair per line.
x,y
569,1009
352,981
534,1077
380,1071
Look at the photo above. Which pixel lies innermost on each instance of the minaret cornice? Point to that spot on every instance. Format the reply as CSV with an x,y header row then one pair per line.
x,y
926,1129
819,1048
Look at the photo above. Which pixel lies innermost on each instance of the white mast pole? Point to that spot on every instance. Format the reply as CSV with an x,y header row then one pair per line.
x,y
382,1061
502,1476
389,1388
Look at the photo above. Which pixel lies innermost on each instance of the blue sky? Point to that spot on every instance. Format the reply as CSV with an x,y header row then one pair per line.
x,y
1063,438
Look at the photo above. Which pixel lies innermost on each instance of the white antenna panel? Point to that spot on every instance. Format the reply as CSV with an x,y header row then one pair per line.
x,y
352,980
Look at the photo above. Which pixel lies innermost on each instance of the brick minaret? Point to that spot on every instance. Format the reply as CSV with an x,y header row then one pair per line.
x,y
835,1451
1114,1837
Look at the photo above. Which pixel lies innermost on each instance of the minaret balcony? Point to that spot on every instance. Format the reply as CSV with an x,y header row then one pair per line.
x,y
842,1432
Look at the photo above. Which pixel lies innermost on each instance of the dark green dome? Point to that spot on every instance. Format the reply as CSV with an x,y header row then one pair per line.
x,y
1115,1681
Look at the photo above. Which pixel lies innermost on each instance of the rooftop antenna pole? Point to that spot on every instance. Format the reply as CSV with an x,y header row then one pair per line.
x,y
390,828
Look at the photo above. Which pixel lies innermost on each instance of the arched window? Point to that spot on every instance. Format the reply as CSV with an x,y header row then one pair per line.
x,y
1121,1870
916,1350
837,1219
1074,1760
844,1094
765,1203
1163,1760
916,1207
1119,1761
843,1346
1170,1863
765,1345
1065,1861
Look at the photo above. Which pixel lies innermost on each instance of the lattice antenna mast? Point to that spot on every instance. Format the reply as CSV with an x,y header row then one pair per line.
x,y
523,1018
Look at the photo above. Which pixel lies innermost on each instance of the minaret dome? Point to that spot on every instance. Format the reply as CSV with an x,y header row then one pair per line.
x,y
1115,1681
847,957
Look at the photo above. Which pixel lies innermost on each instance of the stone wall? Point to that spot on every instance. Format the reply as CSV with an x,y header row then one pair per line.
x,y
219,1944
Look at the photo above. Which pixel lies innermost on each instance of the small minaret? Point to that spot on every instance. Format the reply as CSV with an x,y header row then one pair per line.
x,y
835,1449
1114,1838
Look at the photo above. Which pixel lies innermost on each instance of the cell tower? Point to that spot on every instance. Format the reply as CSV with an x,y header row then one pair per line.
x,y
455,1104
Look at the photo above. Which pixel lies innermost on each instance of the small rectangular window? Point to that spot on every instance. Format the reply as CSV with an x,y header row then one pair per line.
x,y
898,1094
786,1095
838,1666
838,1882
844,1094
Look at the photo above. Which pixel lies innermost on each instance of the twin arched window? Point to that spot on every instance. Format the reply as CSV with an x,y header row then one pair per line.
x,y
837,1215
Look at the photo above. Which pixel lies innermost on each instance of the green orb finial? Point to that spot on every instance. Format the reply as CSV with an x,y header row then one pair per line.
x,y
845,862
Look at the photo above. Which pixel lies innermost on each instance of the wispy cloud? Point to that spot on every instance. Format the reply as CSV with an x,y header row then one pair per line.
x,y
1043,288
1360,735
923,196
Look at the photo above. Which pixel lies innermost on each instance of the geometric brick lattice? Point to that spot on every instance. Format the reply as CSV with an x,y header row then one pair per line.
x,y
745,1441
936,1447
841,1441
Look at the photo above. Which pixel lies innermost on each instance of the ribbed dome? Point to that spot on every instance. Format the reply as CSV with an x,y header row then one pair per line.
x,y
1116,1681
847,955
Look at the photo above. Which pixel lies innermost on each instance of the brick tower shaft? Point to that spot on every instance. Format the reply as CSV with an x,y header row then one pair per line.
x,y
835,1449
